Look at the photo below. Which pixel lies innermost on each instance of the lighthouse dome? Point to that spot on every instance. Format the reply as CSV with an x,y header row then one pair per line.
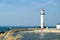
x,y
42,12
42,9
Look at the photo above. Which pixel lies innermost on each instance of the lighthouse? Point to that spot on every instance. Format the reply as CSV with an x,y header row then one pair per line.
x,y
42,18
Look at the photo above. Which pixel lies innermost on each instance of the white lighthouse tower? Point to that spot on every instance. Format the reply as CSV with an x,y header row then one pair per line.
x,y
42,18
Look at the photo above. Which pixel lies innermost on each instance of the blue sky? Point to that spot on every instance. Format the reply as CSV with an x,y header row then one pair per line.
x,y
27,12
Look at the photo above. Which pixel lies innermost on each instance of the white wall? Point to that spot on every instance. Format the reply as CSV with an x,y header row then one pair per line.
x,y
58,26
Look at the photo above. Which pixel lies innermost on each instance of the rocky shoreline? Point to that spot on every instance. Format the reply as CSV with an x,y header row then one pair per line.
x,y
7,35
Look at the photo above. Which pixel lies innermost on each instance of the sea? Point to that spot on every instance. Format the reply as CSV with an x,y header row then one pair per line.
x,y
31,35
6,28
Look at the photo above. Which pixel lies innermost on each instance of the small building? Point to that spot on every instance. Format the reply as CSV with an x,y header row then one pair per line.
x,y
58,26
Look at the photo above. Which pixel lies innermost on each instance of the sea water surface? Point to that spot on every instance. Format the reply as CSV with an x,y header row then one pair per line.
x,y
6,28
33,35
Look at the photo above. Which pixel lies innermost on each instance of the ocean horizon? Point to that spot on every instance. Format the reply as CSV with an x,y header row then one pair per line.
x,y
6,28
